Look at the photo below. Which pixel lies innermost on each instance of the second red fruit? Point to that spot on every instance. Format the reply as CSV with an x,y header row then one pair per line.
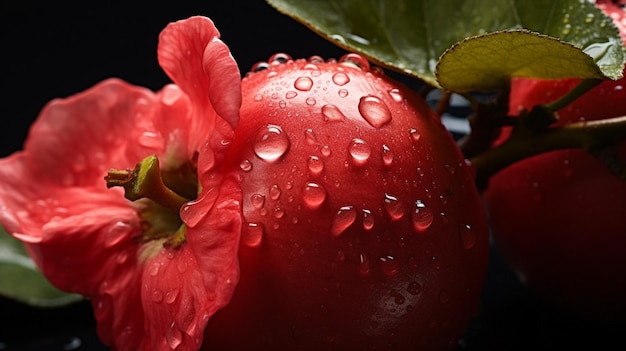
x,y
559,218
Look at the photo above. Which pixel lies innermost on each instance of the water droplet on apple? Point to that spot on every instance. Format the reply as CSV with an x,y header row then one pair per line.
x,y
253,234
355,60
310,137
279,58
415,134
290,94
310,101
332,113
374,111
271,143
414,288
311,66
326,151
245,165
394,207
364,264
395,94
387,155
315,59
344,218
340,78
303,83
342,93
275,192
257,201
259,66
315,165
360,151
389,265
421,216
368,219
313,195
468,237
279,212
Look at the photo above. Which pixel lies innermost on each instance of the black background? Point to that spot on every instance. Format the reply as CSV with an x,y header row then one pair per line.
x,y
53,51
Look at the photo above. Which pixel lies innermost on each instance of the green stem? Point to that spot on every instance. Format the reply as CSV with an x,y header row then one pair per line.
x,y
583,87
145,181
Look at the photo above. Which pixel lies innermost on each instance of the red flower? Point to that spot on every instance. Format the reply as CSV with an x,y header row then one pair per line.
x,y
154,275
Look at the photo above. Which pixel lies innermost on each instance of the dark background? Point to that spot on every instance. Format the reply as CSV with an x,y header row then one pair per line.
x,y
50,51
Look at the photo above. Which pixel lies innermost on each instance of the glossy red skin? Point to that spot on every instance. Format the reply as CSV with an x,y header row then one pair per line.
x,y
303,288
559,218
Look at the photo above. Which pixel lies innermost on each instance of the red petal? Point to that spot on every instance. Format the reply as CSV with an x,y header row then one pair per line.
x,y
203,67
73,137
224,81
184,287
94,253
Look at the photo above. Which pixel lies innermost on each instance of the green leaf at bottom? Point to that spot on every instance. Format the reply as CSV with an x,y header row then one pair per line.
x,y
21,280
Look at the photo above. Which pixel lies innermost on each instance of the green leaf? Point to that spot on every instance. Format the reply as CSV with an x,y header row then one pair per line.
x,y
22,281
409,36
487,62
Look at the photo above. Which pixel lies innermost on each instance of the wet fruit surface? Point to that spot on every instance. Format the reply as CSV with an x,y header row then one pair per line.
x,y
363,227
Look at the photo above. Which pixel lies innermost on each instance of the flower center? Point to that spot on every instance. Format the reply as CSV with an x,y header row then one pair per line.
x,y
159,195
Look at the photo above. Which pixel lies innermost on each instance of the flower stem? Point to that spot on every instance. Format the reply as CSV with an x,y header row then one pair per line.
x,y
145,181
